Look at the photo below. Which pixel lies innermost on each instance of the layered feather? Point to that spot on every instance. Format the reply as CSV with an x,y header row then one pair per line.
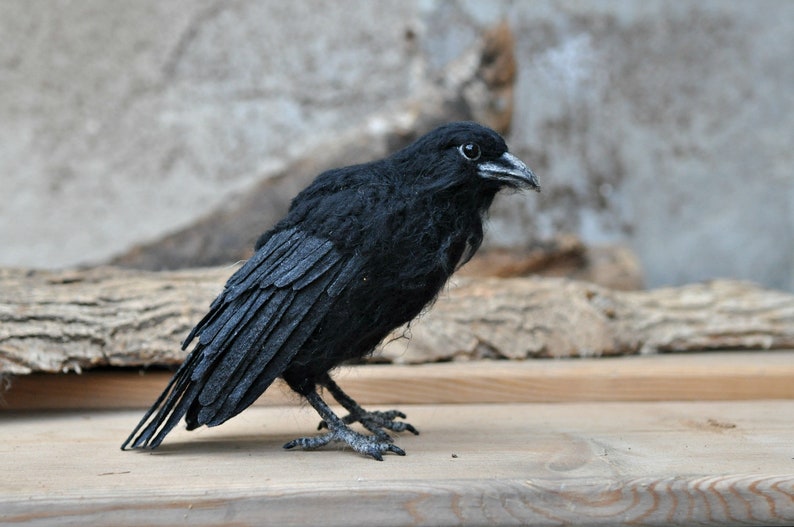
x,y
266,312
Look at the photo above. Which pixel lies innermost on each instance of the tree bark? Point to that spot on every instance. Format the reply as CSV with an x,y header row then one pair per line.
x,y
522,318
78,319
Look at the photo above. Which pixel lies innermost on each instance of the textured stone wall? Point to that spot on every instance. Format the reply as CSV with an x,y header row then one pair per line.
x,y
664,125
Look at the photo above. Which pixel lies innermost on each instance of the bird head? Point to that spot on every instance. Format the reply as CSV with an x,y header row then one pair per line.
x,y
466,153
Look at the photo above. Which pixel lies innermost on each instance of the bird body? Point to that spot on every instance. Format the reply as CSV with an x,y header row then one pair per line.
x,y
362,251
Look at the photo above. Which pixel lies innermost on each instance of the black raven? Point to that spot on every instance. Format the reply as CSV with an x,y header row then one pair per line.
x,y
362,251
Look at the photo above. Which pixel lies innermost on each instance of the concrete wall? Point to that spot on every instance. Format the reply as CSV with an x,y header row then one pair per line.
x,y
665,125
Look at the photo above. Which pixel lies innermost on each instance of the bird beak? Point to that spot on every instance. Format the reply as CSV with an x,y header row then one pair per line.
x,y
510,171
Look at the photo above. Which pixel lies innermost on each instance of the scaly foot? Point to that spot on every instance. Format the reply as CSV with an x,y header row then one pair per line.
x,y
377,422
339,431
364,444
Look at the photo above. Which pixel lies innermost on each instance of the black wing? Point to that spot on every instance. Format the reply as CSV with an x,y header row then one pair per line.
x,y
266,312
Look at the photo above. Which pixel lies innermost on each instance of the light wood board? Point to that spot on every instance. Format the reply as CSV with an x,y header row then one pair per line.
x,y
699,376
645,463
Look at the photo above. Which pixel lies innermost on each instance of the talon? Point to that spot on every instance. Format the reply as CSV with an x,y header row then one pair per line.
x,y
403,427
397,450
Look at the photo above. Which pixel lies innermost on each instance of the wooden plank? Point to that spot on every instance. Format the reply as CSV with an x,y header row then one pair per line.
x,y
707,376
651,463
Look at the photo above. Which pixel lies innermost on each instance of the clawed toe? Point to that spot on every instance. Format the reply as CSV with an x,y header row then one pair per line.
x,y
372,446
376,421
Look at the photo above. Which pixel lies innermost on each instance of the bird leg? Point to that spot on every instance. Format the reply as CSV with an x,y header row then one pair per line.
x,y
339,431
375,421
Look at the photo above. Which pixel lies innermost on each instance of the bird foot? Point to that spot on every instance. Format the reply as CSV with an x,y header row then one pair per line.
x,y
373,446
378,422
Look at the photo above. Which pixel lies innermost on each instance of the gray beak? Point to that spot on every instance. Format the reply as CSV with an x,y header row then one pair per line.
x,y
511,172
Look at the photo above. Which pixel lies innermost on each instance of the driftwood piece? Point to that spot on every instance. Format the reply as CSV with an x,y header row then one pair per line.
x,y
478,86
566,256
72,320
520,318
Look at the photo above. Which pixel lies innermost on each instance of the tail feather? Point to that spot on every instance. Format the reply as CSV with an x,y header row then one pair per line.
x,y
244,347
167,410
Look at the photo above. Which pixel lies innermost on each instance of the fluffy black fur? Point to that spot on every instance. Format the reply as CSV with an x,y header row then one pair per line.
x,y
362,250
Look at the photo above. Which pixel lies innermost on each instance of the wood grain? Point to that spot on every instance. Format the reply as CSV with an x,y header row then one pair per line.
x,y
532,317
82,319
702,376
662,463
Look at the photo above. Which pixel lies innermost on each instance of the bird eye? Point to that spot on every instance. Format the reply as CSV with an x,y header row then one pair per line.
x,y
470,151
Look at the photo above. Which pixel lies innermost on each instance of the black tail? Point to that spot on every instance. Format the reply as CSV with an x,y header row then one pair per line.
x,y
169,408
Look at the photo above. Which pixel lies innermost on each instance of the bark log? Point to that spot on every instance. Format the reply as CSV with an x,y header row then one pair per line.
x,y
73,320
520,318
565,256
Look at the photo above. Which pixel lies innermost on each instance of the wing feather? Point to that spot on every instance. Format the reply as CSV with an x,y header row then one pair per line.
x,y
295,326
250,275
351,268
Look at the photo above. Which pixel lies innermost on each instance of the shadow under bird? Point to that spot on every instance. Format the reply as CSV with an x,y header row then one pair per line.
x,y
362,251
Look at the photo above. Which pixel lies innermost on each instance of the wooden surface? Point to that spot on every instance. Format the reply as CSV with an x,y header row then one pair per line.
x,y
722,455
701,376
650,463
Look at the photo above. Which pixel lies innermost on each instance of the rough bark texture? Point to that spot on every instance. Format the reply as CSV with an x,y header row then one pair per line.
x,y
612,266
519,318
72,320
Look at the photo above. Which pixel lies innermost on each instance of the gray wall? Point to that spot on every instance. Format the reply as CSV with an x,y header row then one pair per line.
x,y
667,126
